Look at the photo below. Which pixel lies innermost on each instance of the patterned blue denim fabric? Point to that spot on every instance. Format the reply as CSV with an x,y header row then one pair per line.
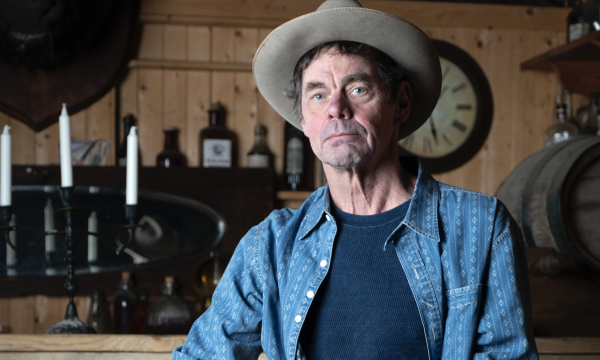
x,y
461,251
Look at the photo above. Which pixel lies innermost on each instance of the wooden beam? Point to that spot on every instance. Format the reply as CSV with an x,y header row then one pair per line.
x,y
188,65
271,13
80,342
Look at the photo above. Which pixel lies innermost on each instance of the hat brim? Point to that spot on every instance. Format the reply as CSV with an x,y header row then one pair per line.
x,y
276,57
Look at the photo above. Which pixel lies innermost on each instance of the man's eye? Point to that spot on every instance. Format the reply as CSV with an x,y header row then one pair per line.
x,y
358,91
319,97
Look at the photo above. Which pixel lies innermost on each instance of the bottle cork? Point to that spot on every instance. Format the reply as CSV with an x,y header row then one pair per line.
x,y
169,279
125,275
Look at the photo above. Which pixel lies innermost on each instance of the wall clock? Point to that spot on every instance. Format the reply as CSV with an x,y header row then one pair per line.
x,y
461,120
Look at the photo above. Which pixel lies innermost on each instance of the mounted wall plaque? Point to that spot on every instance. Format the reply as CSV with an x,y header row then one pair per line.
x,y
63,51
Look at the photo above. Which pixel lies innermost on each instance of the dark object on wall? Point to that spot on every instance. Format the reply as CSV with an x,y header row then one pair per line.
x,y
170,156
553,195
243,197
64,51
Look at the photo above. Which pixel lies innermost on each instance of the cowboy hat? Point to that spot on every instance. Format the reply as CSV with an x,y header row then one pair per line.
x,y
347,20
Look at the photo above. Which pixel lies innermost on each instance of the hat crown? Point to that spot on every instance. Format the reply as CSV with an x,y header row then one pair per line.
x,y
332,4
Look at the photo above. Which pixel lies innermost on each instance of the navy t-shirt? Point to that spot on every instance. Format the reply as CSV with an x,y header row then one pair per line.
x,y
364,309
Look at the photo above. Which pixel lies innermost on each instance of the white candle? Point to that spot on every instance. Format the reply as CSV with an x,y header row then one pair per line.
x,y
11,255
66,169
92,240
131,192
49,226
5,168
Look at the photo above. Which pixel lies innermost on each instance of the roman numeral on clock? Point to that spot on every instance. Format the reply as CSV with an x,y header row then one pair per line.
x,y
409,141
460,126
458,87
427,145
463,107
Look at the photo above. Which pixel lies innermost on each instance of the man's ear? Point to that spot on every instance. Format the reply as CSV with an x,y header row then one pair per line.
x,y
303,124
403,102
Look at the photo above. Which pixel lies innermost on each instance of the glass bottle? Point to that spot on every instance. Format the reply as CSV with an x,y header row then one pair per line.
x,y
298,160
260,156
128,122
142,296
99,314
586,115
561,130
170,314
170,156
125,307
575,22
591,17
218,145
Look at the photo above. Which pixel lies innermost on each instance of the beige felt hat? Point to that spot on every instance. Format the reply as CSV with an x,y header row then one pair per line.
x,y
347,20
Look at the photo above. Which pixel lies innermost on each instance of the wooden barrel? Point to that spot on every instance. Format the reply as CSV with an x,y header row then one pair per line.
x,y
554,195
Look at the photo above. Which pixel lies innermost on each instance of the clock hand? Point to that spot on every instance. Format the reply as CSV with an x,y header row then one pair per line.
x,y
444,88
433,131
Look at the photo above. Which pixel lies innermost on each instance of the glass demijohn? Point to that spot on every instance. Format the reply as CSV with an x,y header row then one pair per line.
x,y
170,314
561,130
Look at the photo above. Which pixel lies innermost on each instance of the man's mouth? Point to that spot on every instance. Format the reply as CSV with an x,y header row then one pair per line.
x,y
340,135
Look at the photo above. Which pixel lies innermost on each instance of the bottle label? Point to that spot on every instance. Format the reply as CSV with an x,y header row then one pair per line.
x,y
295,156
216,153
258,161
575,31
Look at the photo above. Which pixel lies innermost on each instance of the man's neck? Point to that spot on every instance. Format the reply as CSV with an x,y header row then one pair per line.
x,y
372,190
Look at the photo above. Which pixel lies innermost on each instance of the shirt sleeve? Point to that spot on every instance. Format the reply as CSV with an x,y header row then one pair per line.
x,y
231,327
505,330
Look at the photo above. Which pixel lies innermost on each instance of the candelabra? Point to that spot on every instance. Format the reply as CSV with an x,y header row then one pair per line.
x,y
71,324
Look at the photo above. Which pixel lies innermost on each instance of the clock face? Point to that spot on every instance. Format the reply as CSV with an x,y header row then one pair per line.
x,y
452,120
461,120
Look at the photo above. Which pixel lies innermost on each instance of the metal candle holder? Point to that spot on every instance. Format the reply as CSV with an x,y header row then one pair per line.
x,y
71,324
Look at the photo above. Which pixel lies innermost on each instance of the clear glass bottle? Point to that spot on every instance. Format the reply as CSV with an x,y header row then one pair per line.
x,y
586,115
575,22
298,159
591,17
170,314
260,156
99,314
561,130
170,156
128,122
125,307
218,145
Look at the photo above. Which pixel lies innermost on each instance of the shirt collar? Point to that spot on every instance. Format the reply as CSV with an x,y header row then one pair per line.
x,y
422,215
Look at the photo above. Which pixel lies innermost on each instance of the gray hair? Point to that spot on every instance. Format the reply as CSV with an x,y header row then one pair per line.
x,y
389,71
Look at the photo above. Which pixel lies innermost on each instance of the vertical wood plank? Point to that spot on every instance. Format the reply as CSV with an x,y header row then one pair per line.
x,y
46,145
78,125
47,312
4,315
129,100
197,104
174,103
523,103
174,42
434,32
545,86
500,139
476,169
100,122
244,113
83,306
151,43
222,44
150,114
23,143
245,44
274,123
198,43
20,315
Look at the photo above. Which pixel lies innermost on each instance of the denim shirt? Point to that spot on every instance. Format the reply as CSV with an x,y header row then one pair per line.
x,y
461,251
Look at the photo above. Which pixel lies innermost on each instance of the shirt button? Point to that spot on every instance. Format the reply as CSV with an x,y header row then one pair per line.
x,y
310,294
298,318
323,263
328,217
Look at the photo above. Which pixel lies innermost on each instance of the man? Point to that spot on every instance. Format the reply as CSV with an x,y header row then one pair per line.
x,y
384,262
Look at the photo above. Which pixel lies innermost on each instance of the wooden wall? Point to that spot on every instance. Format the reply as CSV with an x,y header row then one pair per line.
x,y
195,53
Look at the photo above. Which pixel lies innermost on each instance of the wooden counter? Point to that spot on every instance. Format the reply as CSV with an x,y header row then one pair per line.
x,y
153,347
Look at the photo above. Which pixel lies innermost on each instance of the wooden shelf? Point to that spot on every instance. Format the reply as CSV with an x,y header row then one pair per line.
x,y
578,63
293,195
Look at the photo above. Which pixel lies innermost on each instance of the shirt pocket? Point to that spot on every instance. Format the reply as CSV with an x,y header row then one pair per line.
x,y
463,297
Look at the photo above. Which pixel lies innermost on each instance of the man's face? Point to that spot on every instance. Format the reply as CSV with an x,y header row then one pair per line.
x,y
346,111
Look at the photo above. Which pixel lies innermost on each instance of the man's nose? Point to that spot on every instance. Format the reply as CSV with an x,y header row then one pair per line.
x,y
339,107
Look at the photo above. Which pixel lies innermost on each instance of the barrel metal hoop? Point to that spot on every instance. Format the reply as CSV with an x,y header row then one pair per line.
x,y
557,206
528,189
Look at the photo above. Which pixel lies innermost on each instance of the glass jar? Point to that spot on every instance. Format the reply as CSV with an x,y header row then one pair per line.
x,y
170,314
561,130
